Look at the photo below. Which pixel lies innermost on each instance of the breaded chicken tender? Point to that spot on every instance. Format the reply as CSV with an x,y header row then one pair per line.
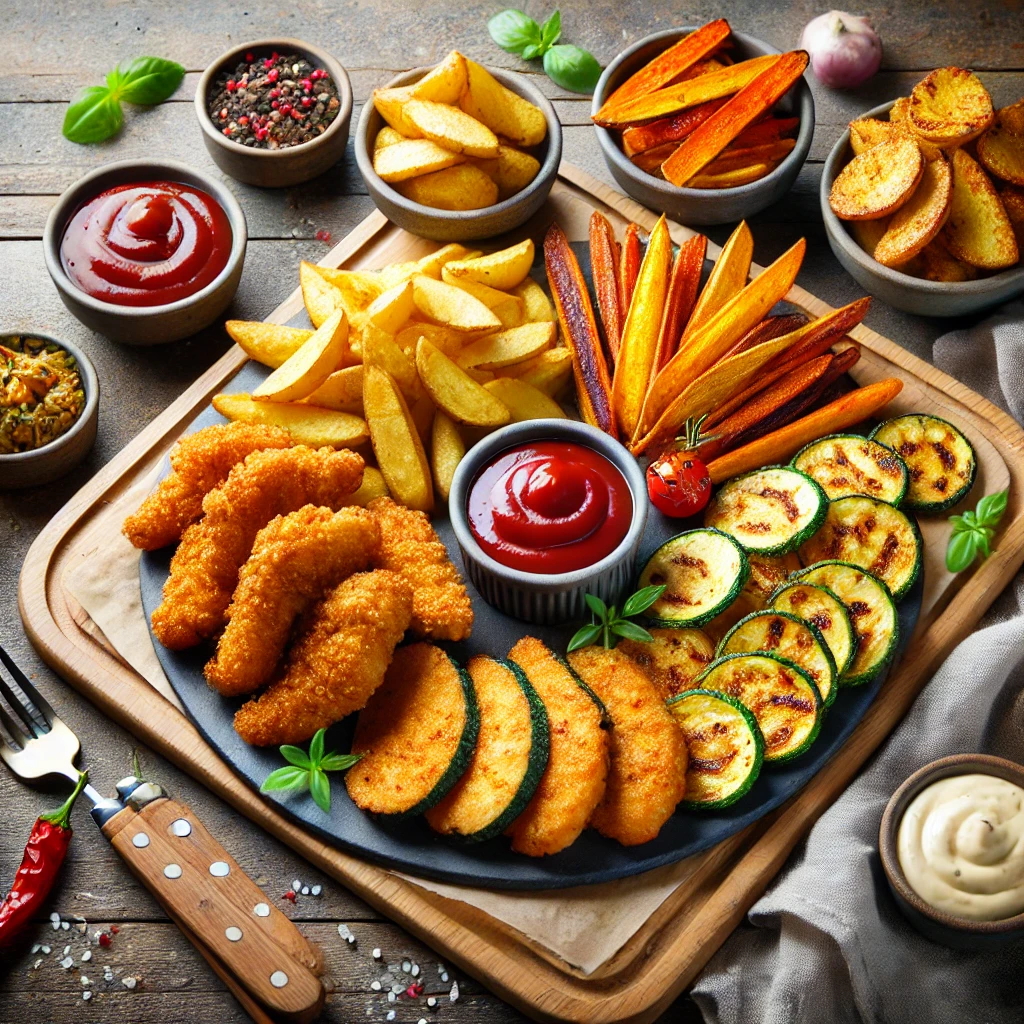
x,y
647,777
296,558
204,569
199,463
409,545
344,648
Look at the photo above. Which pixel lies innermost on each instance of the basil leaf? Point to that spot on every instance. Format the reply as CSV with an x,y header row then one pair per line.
x,y
584,637
339,762
94,115
551,31
291,779
962,550
296,756
114,81
316,747
513,31
992,507
642,600
631,631
958,523
149,80
596,605
320,788
572,68
531,51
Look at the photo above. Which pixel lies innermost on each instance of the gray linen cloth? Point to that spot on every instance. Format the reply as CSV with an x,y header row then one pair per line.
x,y
826,943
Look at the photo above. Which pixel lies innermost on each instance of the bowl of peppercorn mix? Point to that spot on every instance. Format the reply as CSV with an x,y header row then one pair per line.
x,y
274,112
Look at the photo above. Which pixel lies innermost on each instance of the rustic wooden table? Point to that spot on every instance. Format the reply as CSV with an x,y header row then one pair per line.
x,y
48,52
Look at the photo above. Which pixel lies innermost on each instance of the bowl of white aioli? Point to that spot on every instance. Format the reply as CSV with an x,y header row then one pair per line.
x,y
952,847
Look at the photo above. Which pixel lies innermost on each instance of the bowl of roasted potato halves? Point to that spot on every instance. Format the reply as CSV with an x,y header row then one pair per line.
x,y
923,198
458,151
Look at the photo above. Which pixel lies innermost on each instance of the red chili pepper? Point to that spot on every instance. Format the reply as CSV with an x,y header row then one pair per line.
x,y
44,854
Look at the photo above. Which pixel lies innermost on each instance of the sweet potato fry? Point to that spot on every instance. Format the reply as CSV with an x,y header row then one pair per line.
x,y
652,160
664,102
638,354
753,99
731,177
672,62
770,129
576,315
727,278
770,327
744,156
782,444
645,137
682,294
604,271
629,267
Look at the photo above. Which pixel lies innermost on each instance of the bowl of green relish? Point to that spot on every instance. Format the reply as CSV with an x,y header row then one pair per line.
x,y
49,404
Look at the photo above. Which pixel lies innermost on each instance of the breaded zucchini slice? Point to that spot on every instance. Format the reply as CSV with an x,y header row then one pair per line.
x,y
416,735
673,659
647,774
508,762
574,781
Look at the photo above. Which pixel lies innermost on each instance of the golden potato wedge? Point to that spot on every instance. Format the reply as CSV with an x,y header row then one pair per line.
x,y
978,230
1013,203
937,263
343,391
358,288
422,413
269,344
445,304
451,127
396,441
381,349
515,171
308,424
305,371
548,372
868,233
373,486
508,308
503,269
445,84
446,451
412,157
950,107
433,264
525,401
462,187
502,110
536,304
481,376
387,136
396,273
507,347
391,310
489,165
319,297
1001,148
899,112
878,181
867,132
391,104
455,392
919,219
449,341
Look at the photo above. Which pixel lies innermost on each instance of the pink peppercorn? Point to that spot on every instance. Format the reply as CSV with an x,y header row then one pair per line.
x,y
285,108
104,940
274,93
415,990
289,895
323,235
272,75
307,101
226,131
231,85
297,114
306,84
243,120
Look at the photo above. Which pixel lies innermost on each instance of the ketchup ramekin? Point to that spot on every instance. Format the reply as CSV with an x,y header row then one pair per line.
x,y
534,597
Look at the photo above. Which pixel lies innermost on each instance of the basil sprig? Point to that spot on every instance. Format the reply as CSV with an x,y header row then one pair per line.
x,y
566,65
308,771
95,114
973,532
609,623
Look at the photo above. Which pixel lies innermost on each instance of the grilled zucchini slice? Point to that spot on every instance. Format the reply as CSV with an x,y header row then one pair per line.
x,y
770,511
872,534
780,695
703,572
508,762
872,612
819,606
940,460
673,659
416,734
793,638
725,746
767,573
850,464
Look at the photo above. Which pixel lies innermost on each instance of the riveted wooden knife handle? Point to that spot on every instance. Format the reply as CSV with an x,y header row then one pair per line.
x,y
202,888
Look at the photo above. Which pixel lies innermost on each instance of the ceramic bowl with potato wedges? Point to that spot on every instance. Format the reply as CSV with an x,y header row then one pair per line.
x,y
898,287
453,179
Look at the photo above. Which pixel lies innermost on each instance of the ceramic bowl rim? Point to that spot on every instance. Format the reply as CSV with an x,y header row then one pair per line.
x,y
91,384
892,816
978,288
545,174
547,429
329,63
80,191
611,152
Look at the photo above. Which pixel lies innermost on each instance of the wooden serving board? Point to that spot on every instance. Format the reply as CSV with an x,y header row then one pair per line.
x,y
670,948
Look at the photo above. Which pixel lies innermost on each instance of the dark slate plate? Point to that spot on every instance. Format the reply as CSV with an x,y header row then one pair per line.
x,y
412,846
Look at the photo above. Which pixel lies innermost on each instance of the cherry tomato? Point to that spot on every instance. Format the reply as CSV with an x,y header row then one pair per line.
x,y
678,483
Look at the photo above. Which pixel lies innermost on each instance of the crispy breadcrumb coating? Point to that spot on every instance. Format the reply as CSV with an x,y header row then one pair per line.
x,y
204,569
409,545
296,558
199,463
344,648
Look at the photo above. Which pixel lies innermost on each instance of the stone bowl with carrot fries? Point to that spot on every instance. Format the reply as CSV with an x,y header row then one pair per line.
x,y
704,124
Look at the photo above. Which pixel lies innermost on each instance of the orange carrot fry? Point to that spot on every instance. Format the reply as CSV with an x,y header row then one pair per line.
x,y
730,178
770,129
744,156
652,159
629,267
576,315
604,269
707,141
770,327
702,67
682,294
672,62
727,278
668,129
782,444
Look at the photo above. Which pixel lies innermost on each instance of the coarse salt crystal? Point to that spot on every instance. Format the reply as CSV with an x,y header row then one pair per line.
x,y
422,1020
296,885
67,949
86,956
66,925
55,925
67,963
346,933
55,917
129,983
46,950
415,972
406,966
305,890
36,948
85,981
431,1002
454,994
316,890
391,1015
375,986
377,953
392,997
35,966
87,996
444,975
396,988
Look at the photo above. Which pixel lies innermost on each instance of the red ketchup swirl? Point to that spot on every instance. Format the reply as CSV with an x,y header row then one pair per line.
x,y
146,244
549,507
